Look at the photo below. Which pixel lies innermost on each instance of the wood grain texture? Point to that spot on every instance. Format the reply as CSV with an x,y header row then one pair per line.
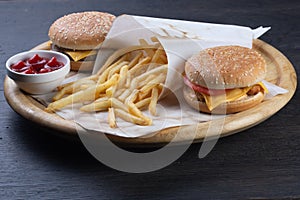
x,y
262,162
279,71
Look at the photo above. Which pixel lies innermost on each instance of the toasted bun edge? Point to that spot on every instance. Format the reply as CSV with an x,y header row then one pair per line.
x,y
225,108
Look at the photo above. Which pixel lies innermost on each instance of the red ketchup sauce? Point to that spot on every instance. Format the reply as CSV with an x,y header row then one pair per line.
x,y
37,65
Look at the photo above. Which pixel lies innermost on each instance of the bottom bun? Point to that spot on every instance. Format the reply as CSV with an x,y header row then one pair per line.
x,y
239,105
82,65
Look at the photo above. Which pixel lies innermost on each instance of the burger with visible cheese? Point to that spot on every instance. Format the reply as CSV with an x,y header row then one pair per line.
x,y
225,79
79,35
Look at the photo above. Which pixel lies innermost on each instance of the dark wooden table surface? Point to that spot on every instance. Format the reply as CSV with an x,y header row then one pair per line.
x,y
260,163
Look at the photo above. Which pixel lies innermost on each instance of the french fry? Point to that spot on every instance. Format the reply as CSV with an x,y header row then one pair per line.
x,y
131,118
158,70
146,81
145,91
155,79
111,90
74,87
81,96
116,69
112,81
113,63
124,51
59,94
92,77
124,95
101,95
153,102
142,103
104,76
140,64
136,112
118,92
133,85
157,55
116,103
160,88
104,98
111,118
130,81
96,106
88,94
135,60
83,86
131,98
123,76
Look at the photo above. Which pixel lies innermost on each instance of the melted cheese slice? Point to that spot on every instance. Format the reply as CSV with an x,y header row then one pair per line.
x,y
78,55
231,95
263,86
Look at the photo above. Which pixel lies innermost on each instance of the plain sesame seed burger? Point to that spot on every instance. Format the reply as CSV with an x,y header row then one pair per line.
x,y
225,79
79,35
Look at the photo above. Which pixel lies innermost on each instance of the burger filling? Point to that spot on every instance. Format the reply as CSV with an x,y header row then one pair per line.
x,y
214,97
78,55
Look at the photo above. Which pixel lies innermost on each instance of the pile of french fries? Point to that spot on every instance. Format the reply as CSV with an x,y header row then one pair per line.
x,y
130,81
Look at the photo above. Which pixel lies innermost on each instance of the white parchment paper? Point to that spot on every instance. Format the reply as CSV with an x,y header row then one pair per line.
x,y
180,39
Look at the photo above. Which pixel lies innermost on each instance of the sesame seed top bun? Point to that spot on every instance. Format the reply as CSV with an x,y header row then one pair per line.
x,y
226,67
81,31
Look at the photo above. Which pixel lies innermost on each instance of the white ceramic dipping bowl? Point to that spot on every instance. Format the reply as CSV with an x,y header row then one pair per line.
x,y
38,83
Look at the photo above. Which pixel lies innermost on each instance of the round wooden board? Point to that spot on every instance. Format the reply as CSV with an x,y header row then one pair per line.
x,y
280,72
